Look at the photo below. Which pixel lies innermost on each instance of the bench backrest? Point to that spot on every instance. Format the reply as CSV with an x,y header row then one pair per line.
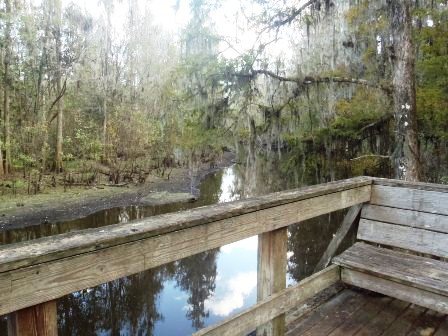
x,y
407,218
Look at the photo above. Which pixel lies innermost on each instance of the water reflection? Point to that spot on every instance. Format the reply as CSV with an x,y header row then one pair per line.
x,y
181,297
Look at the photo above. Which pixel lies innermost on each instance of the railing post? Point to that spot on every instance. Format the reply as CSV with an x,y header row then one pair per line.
x,y
272,249
39,320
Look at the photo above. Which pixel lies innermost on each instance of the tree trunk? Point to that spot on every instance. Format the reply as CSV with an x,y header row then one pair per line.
x,y
2,172
105,77
406,156
104,108
60,103
40,107
6,90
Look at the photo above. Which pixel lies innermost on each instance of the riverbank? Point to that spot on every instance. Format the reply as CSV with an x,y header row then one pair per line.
x,y
58,205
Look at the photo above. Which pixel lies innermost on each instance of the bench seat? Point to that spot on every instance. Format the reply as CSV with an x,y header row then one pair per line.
x,y
419,280
411,270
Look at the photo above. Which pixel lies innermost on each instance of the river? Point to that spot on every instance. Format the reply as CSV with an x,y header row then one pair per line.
x,y
182,297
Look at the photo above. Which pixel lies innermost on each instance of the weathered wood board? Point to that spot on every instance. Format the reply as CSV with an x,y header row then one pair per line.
x,y
435,202
410,185
405,237
397,290
40,320
271,274
415,271
347,223
417,219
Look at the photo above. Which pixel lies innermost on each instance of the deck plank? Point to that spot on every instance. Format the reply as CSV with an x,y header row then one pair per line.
x,y
384,319
314,318
405,321
354,312
338,316
427,324
362,316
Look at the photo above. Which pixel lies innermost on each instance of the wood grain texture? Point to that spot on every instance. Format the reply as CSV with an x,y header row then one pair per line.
x,y
347,298
427,324
435,202
410,185
48,280
347,223
335,318
274,305
69,244
415,271
408,238
271,274
361,317
397,290
404,322
378,324
417,219
39,320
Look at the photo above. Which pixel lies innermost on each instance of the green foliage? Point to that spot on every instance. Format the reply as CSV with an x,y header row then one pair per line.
x,y
196,141
366,106
432,70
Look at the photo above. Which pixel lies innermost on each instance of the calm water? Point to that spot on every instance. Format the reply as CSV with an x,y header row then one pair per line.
x,y
181,297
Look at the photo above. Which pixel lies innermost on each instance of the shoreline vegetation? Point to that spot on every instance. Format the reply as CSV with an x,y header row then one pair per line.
x,y
56,205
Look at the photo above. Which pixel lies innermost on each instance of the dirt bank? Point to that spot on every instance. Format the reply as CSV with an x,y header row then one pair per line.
x,y
58,206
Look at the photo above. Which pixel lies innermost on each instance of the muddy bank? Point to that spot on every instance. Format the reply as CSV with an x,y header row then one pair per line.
x,y
64,206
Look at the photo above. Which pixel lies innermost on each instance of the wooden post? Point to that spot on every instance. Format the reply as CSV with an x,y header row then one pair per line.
x,y
272,249
39,320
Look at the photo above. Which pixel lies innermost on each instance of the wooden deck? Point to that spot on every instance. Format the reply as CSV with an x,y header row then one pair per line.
x,y
411,217
355,312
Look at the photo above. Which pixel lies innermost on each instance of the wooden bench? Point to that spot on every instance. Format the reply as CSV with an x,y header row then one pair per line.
x,y
404,248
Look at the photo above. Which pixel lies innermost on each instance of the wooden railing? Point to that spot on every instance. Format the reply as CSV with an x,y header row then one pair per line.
x,y
33,274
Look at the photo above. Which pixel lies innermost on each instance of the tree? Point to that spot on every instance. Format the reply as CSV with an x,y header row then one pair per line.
x,y
59,89
105,72
407,152
7,88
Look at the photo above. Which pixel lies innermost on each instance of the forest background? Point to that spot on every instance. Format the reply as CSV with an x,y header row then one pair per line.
x,y
119,90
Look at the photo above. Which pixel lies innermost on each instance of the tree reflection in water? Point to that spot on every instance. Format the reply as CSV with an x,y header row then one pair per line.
x,y
128,304
196,275
308,241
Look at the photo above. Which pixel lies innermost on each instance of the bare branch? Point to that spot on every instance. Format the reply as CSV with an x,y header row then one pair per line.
x,y
307,80
292,16
371,156
60,95
382,120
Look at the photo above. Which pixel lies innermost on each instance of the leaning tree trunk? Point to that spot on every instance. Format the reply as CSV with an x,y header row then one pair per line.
x,y
406,155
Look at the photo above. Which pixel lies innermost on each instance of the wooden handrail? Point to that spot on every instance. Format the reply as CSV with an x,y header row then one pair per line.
x,y
60,246
411,185
39,271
